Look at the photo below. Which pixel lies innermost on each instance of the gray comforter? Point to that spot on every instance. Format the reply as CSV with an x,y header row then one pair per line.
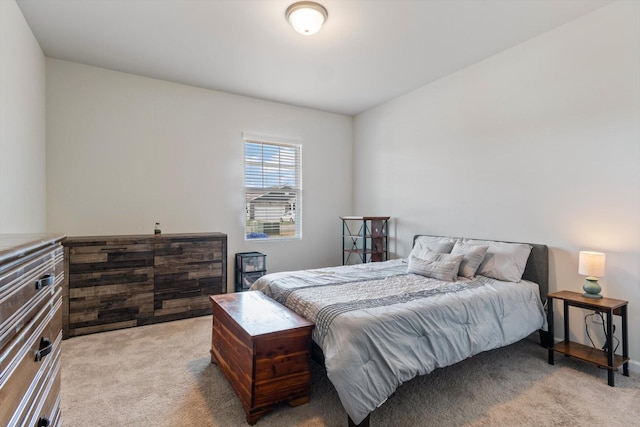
x,y
379,326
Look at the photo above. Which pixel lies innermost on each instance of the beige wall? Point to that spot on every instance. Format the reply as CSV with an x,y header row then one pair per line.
x,y
125,151
540,143
22,125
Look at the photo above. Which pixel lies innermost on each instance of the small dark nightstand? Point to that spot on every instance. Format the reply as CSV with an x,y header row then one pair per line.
x,y
606,359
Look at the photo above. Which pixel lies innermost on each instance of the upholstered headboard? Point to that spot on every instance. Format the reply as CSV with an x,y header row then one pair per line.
x,y
537,269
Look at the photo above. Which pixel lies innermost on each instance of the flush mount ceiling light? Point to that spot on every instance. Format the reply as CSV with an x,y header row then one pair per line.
x,y
306,17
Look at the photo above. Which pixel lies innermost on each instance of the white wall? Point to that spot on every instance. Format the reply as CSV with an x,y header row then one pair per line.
x,y
22,125
125,151
540,143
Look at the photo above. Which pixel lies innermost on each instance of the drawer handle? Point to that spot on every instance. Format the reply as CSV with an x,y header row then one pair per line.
x,y
45,348
43,422
46,280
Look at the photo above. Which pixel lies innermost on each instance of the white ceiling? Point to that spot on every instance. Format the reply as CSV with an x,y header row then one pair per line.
x,y
368,52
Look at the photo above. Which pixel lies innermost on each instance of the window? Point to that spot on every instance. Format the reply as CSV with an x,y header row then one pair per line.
x,y
272,186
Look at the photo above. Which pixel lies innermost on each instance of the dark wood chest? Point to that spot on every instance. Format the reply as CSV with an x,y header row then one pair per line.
x,y
263,349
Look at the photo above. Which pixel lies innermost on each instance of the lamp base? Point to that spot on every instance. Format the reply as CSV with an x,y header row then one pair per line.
x,y
591,288
594,296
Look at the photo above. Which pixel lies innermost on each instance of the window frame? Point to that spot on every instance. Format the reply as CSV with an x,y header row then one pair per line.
x,y
274,205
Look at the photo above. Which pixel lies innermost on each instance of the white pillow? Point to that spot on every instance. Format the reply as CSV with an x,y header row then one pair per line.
x,y
436,266
434,243
503,261
472,257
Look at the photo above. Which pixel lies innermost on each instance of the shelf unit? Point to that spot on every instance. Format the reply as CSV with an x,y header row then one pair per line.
x,y
364,239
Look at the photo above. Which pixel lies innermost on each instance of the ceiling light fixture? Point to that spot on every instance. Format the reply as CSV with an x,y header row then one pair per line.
x,y
306,17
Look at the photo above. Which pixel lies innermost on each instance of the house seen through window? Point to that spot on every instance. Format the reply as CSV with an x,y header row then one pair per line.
x,y
272,185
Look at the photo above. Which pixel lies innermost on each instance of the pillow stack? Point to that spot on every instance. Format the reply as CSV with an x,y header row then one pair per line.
x,y
446,258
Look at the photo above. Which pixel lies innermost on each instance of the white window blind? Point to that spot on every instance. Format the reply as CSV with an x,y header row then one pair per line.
x,y
273,189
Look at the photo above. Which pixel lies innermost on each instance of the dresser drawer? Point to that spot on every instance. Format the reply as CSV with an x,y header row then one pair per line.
x,y
115,298
42,407
49,407
27,360
88,257
26,288
187,271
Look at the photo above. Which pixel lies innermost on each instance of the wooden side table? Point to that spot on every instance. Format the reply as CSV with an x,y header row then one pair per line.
x,y
605,359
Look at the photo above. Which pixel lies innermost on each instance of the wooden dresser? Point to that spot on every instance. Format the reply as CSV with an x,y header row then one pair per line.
x,y
31,276
123,281
263,349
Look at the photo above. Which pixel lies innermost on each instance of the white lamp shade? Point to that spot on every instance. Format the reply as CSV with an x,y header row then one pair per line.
x,y
306,17
591,264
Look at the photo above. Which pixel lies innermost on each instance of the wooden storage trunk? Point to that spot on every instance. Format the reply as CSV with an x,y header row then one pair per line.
x,y
263,349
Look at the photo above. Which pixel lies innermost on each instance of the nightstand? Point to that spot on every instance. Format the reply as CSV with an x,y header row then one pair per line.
x,y
605,359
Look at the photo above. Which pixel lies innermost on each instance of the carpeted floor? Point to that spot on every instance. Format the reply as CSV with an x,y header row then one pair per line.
x,y
161,375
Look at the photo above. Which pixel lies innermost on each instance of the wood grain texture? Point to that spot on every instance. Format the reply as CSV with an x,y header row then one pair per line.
x,y
577,300
20,295
25,370
124,281
263,349
31,278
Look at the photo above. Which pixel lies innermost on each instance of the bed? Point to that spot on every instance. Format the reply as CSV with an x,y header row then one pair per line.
x,y
381,324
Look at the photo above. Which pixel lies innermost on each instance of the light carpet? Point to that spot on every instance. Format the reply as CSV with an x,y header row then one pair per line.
x,y
161,375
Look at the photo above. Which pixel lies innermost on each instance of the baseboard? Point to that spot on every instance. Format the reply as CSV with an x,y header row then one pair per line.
x,y
634,366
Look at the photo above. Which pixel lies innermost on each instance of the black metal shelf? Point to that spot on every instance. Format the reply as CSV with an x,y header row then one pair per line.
x,y
369,244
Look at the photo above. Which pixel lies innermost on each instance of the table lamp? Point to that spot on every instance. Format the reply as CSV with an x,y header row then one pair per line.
x,y
591,264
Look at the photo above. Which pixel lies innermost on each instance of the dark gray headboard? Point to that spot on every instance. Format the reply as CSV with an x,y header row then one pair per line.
x,y
537,269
